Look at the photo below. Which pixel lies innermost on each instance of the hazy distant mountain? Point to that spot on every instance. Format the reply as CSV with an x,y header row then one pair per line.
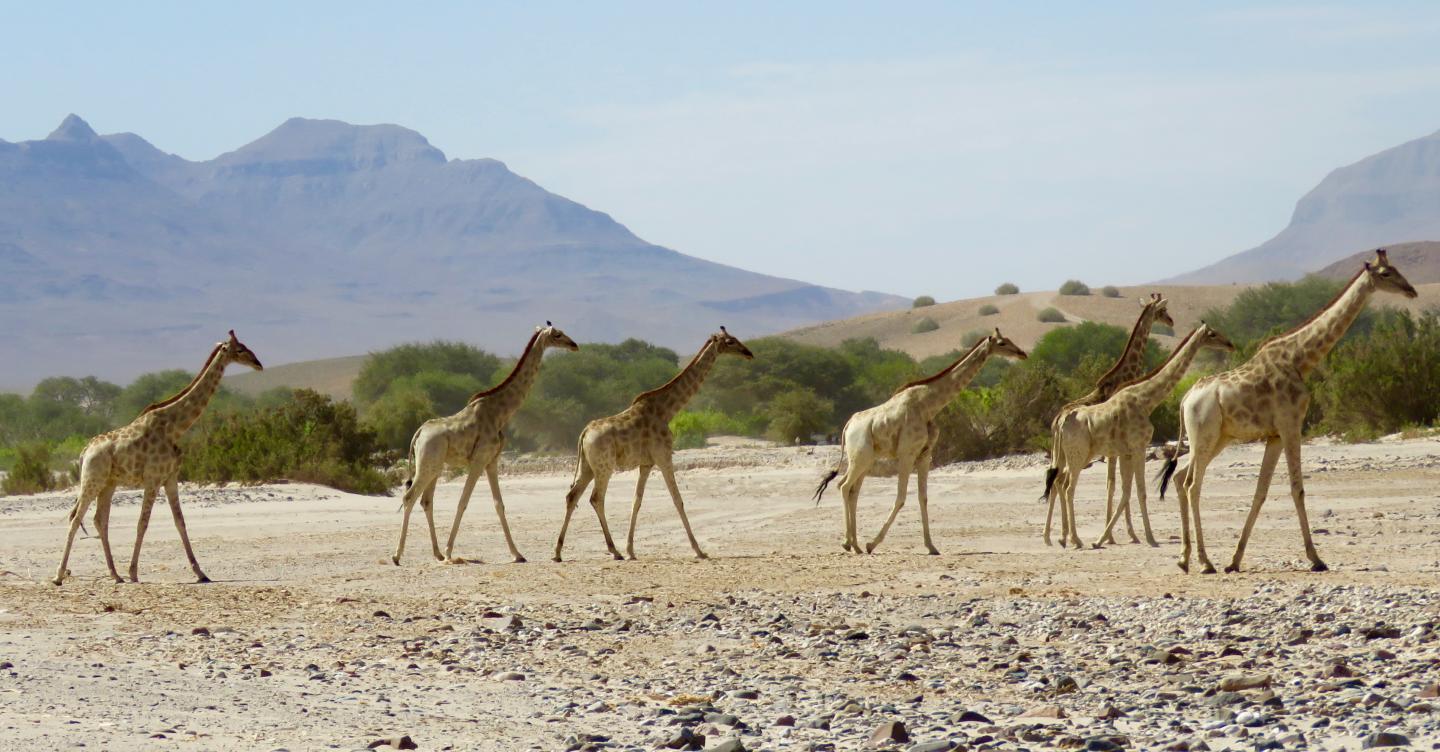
x,y
1419,262
1388,198
323,238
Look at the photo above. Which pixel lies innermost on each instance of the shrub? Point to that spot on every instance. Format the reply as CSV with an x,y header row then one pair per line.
x,y
1074,287
971,337
310,439
31,472
1261,312
989,309
1384,382
923,301
382,369
925,324
1007,288
691,428
1051,316
798,415
1110,291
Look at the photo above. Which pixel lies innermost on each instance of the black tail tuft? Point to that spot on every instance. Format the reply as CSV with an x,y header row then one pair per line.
x,y
1166,474
408,483
824,484
1050,476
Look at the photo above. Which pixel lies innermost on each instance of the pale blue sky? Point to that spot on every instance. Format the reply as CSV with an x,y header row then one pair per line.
x,y
908,147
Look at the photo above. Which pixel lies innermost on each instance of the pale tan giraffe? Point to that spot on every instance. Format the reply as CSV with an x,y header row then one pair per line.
x,y
1120,427
640,437
903,428
146,453
1128,367
1266,398
472,439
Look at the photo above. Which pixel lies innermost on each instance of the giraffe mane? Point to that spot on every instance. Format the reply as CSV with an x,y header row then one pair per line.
x,y
529,346
1322,309
1157,369
172,399
1133,331
943,371
681,372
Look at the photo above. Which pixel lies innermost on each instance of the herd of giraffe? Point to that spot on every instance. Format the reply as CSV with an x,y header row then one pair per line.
x,y
1263,399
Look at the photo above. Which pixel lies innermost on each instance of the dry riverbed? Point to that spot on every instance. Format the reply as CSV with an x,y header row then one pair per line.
x,y
311,639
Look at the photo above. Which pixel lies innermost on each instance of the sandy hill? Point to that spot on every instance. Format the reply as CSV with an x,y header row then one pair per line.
x,y
332,376
1419,262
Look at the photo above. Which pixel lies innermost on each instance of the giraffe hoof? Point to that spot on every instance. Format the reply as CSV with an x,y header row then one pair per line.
x,y
1153,543
1097,545
1232,569
556,558
934,551
56,581
1184,566
1209,569
395,560
1319,566
202,580
870,548
616,556
701,555
519,559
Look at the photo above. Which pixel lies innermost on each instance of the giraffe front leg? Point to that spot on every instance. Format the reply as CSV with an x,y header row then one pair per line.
x,y
1180,479
492,472
172,494
1137,477
1114,513
922,474
668,471
635,511
141,526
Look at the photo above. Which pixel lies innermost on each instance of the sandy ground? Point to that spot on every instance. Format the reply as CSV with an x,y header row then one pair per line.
x,y
310,639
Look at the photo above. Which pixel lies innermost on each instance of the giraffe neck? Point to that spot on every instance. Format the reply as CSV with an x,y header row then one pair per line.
x,y
1155,388
937,394
507,398
185,408
670,399
1131,364
1313,340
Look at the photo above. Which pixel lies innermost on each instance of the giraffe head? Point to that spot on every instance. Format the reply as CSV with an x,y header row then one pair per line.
x,y
1001,345
235,351
725,342
1387,277
550,336
1159,309
1207,337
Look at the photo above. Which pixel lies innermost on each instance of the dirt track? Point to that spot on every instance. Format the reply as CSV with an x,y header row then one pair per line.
x,y
295,652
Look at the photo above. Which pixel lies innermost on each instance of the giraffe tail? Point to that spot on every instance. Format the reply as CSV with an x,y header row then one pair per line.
x,y
834,472
1171,464
411,480
1053,471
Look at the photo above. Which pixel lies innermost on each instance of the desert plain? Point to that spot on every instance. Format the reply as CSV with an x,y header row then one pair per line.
x,y
309,638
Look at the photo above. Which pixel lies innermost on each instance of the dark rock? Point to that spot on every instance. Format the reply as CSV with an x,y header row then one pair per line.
x,y
1385,739
940,746
970,716
200,632
1380,632
1102,744
785,720
729,745
398,742
890,732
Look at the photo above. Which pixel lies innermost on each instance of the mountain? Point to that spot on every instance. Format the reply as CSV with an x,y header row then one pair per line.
x,y
1419,262
323,238
1388,198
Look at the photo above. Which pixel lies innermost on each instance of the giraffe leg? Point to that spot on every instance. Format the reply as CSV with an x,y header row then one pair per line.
x,y
1125,491
1262,492
146,506
1108,534
1192,494
449,557
597,503
172,494
1069,499
850,495
1180,481
583,477
88,493
902,486
1050,512
102,527
1110,508
668,472
417,489
922,473
635,510
1137,478
492,473
1297,494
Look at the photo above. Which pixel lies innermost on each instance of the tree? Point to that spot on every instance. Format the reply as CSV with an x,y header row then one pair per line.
x,y
922,302
797,415
382,369
1007,288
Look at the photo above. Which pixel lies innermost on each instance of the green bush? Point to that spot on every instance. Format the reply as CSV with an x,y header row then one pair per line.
x,y
924,324
798,415
1007,288
31,472
310,439
1110,291
989,309
692,428
923,301
575,388
1051,316
1274,308
1387,381
1074,287
382,369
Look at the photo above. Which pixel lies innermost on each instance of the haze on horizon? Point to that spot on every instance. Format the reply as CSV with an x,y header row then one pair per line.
x,y
932,148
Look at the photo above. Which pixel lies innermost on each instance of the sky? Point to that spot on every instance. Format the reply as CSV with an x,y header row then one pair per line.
x,y
913,148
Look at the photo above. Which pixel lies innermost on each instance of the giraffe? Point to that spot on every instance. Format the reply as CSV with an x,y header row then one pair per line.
x,y
903,428
640,437
472,439
1130,366
146,453
1120,427
1266,398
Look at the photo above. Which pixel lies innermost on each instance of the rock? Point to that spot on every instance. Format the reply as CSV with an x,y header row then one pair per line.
x,y
970,716
746,694
1237,682
1385,739
1381,632
381,615
785,720
1102,744
510,676
1110,713
889,732
398,742
1337,669
684,738
1299,636
940,746
1065,685
1221,699
200,632
1045,711
1431,692
499,623
729,745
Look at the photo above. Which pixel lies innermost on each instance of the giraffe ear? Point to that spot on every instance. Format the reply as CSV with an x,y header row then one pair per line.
x,y
232,336
997,333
